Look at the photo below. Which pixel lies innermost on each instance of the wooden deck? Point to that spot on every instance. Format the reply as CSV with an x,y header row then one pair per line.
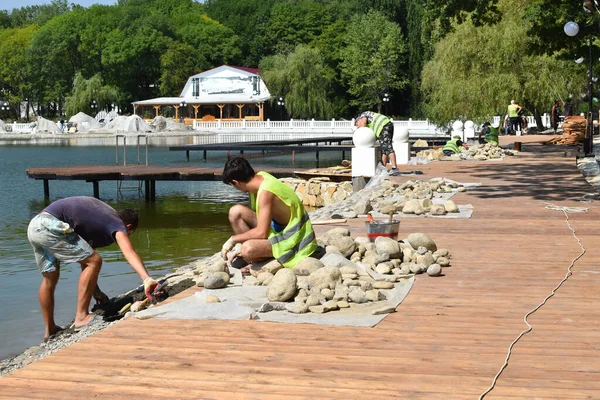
x,y
447,340
147,173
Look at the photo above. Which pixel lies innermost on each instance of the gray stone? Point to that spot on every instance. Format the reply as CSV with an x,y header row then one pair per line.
x,y
389,246
434,270
357,296
443,261
283,286
451,206
297,308
216,280
307,266
325,278
383,285
417,240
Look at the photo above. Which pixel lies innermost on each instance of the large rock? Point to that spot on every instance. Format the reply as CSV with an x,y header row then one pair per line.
x,y
307,266
325,278
417,240
84,122
388,245
282,286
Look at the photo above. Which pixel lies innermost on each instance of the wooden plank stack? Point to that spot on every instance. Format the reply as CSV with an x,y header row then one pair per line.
x,y
574,128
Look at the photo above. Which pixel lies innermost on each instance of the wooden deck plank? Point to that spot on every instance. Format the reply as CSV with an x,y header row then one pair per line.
x,y
447,340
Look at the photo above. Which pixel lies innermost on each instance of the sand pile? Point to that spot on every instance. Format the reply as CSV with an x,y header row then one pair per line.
x,y
84,122
162,124
122,123
43,125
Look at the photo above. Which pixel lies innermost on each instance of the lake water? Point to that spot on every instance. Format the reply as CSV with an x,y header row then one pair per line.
x,y
188,221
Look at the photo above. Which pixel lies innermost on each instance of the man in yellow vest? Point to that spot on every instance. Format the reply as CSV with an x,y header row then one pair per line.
x,y
453,146
383,128
276,224
513,114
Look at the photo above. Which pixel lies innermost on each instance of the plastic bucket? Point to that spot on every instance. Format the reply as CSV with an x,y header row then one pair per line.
x,y
382,228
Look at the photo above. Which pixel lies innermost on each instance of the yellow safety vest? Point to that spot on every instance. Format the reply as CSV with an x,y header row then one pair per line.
x,y
379,121
297,240
512,110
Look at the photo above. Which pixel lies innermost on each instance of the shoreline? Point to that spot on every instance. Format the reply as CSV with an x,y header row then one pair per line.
x,y
98,135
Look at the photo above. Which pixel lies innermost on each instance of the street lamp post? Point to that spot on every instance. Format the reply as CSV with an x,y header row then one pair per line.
x,y
386,102
572,29
94,106
281,104
182,105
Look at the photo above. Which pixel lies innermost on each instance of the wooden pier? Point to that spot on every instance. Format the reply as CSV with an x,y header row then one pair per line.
x,y
316,145
149,174
447,340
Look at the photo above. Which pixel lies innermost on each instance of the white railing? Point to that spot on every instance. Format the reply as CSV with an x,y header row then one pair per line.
x,y
20,128
311,127
530,121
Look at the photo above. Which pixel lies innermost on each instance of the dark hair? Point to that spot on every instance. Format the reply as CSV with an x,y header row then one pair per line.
x,y
238,169
129,216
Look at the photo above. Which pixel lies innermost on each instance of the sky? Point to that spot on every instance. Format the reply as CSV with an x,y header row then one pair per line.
x,y
10,4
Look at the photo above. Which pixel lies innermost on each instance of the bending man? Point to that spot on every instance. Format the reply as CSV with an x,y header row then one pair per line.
x,y
69,230
276,225
453,146
383,128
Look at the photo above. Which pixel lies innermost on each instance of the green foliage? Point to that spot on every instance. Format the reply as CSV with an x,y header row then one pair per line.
x,y
13,77
303,79
37,14
476,71
373,59
85,91
178,63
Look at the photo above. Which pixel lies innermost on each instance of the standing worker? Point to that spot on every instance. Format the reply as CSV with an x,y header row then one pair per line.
x,y
513,114
453,146
383,128
555,115
69,230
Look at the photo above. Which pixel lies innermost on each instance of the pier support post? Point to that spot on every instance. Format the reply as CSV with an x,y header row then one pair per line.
x,y
96,189
187,155
46,189
152,190
147,190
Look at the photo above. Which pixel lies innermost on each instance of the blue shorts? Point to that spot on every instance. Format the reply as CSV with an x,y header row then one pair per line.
x,y
54,241
276,227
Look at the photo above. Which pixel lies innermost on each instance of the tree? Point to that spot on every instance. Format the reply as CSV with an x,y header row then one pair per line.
x,y
14,81
86,91
303,79
373,59
476,71
177,64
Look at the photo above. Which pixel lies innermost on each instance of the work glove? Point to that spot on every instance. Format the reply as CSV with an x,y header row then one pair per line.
x,y
228,245
150,285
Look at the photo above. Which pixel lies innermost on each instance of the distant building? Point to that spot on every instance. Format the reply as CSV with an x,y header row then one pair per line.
x,y
225,92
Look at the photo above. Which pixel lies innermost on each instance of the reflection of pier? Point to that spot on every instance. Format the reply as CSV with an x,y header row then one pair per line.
x,y
315,144
147,173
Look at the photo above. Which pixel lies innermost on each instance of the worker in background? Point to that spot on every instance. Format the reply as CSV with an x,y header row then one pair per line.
x,y
383,128
454,145
489,133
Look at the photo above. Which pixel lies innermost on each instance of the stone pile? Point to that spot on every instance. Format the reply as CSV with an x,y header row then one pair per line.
x,y
488,151
353,271
319,192
411,197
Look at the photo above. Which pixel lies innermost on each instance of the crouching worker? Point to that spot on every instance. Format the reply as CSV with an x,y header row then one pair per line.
x,y
453,146
69,230
275,226
489,133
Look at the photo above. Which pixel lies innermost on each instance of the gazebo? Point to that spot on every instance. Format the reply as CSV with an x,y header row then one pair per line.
x,y
225,93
